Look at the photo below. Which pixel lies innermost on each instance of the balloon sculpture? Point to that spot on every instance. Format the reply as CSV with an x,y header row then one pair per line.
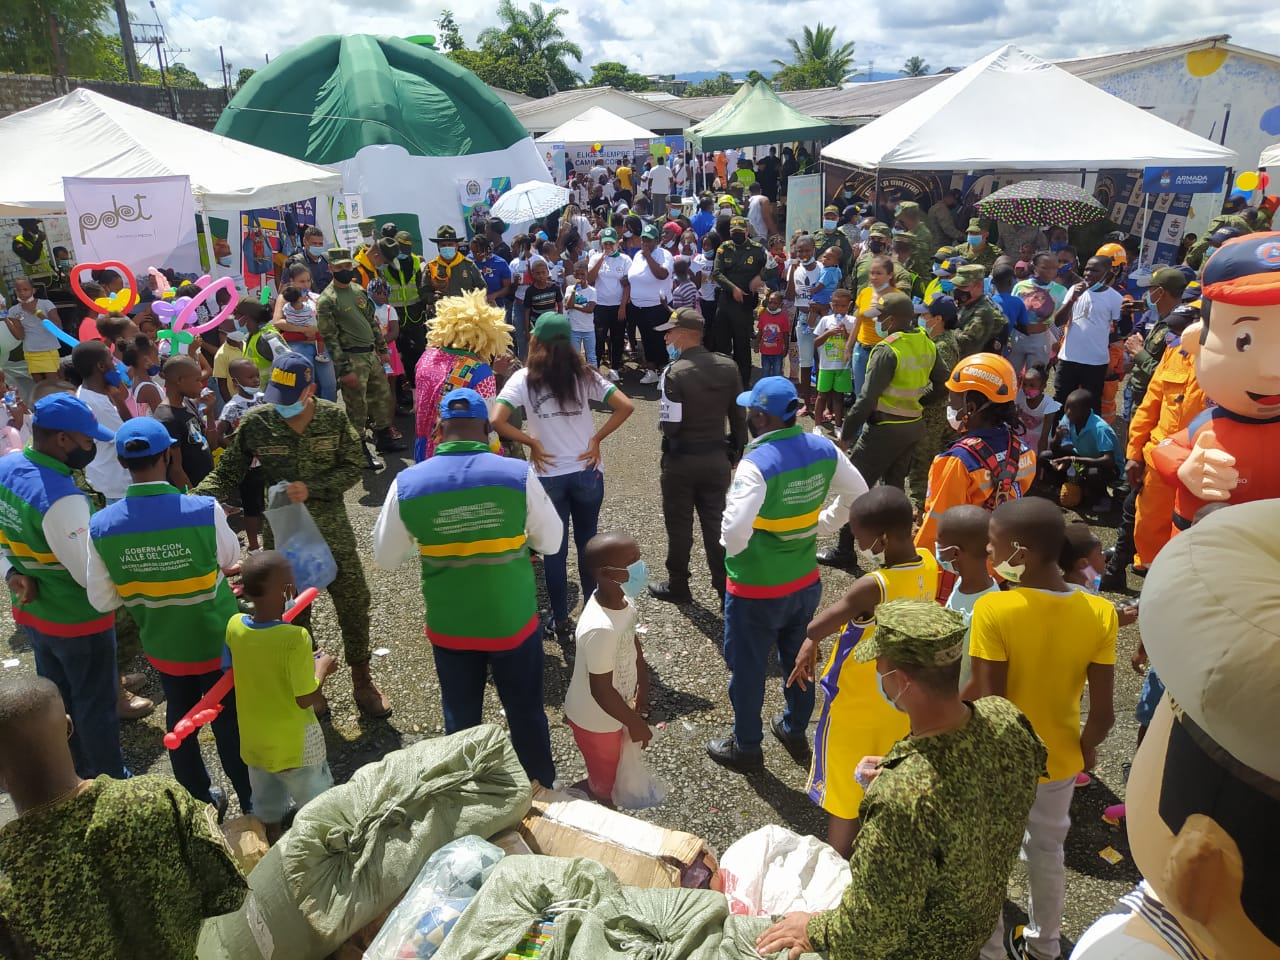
x,y
208,707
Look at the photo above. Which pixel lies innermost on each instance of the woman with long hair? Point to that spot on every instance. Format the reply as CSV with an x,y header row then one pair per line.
x,y
556,390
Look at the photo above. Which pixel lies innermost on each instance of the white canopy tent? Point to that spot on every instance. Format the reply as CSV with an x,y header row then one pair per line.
x,y
1270,157
85,134
947,126
596,125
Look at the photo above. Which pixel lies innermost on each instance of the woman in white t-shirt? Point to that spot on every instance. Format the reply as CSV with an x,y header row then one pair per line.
x,y
555,391
607,272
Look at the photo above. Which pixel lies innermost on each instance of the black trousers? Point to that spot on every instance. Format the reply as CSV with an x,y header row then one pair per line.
x,y
1072,376
708,323
735,322
648,319
412,342
1125,548
694,482
609,335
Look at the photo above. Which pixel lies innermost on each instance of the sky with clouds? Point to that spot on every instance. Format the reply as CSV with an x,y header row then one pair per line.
x,y
675,36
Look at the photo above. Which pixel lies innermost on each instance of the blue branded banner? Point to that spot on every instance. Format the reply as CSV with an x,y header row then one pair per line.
x,y
1183,179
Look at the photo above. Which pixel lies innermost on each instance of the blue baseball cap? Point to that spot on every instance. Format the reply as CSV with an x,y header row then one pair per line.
x,y
62,411
291,373
944,307
475,408
142,437
776,396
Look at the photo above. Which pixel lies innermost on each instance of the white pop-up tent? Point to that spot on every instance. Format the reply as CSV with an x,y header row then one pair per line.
x,y
1270,157
85,134
596,125
957,125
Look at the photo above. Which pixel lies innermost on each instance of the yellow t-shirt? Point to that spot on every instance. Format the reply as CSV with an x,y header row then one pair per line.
x,y
274,665
227,354
867,335
624,177
1048,640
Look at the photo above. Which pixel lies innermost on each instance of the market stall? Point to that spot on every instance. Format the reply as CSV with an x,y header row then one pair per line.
x,y
596,135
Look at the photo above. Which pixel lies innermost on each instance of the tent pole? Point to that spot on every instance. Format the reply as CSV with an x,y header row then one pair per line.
x,y
1146,220
208,237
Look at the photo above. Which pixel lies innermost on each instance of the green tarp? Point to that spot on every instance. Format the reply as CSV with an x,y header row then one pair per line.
x,y
331,96
756,115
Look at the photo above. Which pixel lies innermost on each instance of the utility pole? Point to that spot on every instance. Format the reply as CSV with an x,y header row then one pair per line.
x,y
126,42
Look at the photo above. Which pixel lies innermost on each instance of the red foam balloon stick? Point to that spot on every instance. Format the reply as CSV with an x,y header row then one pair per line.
x,y
300,603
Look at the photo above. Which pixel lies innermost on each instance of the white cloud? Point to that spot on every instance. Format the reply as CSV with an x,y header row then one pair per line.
x,y
676,36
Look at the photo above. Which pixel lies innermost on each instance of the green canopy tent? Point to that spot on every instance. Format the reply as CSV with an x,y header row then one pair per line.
x,y
413,133
756,115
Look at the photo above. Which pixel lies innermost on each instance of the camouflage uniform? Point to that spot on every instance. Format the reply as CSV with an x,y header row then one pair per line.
x,y
980,320
329,458
1195,256
985,255
922,243
345,319
936,429
942,823
858,279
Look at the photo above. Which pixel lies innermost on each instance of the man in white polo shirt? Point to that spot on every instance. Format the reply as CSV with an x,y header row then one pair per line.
x,y
1090,310
660,179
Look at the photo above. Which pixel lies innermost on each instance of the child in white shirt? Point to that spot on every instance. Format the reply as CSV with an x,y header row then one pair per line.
x,y
580,308
835,377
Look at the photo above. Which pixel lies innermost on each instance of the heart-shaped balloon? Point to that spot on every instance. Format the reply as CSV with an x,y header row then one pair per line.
x,y
116,265
205,295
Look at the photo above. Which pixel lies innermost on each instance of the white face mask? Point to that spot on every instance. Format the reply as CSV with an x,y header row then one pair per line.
x,y
877,555
954,418
1011,571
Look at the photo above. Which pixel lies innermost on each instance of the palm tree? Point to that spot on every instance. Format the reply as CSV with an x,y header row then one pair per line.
x,y
533,36
816,60
915,67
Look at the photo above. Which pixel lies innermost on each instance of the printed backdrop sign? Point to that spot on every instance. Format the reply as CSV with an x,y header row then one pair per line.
x,y
477,196
585,156
269,236
142,222
804,202
1120,191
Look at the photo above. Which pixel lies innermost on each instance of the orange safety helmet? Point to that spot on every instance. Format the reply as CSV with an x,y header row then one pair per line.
x,y
1113,252
988,373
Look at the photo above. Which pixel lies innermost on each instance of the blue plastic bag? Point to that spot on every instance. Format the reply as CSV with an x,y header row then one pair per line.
x,y
300,540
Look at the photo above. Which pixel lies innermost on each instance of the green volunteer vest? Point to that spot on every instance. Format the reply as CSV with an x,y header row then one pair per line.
x,y
916,354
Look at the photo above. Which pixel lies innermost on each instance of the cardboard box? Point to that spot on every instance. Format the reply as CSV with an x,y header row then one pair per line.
x,y
247,839
640,854
511,843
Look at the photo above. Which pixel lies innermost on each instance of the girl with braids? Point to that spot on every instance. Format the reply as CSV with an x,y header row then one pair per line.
x,y
988,464
555,391
142,357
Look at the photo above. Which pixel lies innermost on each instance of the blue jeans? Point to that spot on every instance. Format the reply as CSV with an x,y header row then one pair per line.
x,y
861,354
753,629
585,340
181,694
771,366
517,676
272,791
85,673
576,495
326,377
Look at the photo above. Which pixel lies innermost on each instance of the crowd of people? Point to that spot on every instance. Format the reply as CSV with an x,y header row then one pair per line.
x,y
901,406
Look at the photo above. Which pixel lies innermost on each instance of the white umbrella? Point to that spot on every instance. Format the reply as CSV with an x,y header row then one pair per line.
x,y
530,200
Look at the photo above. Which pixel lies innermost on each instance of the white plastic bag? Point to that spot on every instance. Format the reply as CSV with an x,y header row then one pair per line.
x,y
773,871
440,893
636,787
299,539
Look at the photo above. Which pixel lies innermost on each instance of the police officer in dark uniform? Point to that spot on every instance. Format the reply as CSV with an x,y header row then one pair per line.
x,y
737,272
698,390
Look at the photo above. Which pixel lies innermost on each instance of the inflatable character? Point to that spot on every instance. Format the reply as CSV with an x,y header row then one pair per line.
x,y
1231,452
1204,793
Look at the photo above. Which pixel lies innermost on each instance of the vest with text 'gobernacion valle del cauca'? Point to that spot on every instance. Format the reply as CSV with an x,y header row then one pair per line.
x,y
466,507
31,483
161,549
781,556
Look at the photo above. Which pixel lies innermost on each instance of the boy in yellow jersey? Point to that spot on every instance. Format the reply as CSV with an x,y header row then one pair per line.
x,y
1038,645
857,720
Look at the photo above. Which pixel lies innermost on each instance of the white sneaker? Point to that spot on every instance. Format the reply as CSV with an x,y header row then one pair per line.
x,y
613,375
650,376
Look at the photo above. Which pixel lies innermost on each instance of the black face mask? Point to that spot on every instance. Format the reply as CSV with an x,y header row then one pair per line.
x,y
79,458
961,296
875,246
344,276
738,237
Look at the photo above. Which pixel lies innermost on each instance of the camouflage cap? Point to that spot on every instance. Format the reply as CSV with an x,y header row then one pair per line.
x,y
738,223
975,225
908,206
339,257
970,274
916,632
879,229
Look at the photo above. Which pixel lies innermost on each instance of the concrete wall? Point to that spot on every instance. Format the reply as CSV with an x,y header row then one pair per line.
x,y
198,107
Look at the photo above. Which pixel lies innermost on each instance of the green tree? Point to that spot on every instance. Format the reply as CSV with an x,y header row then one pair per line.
x,y
243,76
816,61
29,28
611,73
507,72
180,75
721,85
450,35
534,36
915,67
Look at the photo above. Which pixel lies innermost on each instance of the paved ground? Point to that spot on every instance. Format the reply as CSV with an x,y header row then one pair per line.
x,y
689,693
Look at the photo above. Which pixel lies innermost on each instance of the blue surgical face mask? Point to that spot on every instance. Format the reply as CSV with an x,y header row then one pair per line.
x,y
973,239
224,261
404,256
880,686
1146,298
153,369
448,253
112,377
1064,270
947,285
316,252
1055,247
882,329
945,564
673,352
1098,286
290,410
828,224
637,579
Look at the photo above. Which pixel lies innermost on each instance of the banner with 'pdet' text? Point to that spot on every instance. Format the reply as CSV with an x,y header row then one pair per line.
x,y
141,222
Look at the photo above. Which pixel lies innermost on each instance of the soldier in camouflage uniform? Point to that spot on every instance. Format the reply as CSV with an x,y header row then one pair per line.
x,y
943,818
320,454
344,315
877,245
833,237
1202,247
922,245
983,252
981,321
940,321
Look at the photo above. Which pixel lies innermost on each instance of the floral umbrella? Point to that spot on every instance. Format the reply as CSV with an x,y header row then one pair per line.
x,y
1042,203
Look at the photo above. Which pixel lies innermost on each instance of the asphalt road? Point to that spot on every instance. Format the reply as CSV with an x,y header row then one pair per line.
x,y
689,692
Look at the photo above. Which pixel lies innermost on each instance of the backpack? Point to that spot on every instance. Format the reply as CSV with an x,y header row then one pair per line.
x,y
1002,467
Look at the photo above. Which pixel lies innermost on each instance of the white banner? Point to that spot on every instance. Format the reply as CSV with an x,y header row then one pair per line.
x,y
804,203
144,222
